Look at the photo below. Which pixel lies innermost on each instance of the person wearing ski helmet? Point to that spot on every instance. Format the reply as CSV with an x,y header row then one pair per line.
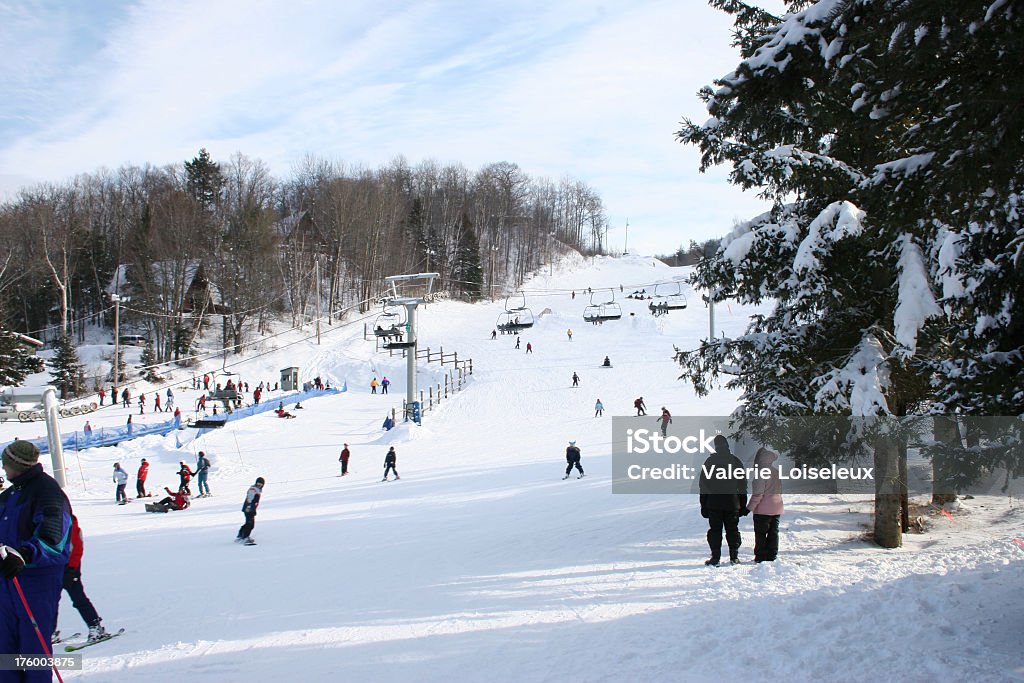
x,y
252,501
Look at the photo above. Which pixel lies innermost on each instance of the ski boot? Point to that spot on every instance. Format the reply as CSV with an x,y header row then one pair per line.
x,y
96,632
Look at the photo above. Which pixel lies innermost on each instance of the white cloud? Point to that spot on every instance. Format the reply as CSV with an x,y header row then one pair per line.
x,y
569,88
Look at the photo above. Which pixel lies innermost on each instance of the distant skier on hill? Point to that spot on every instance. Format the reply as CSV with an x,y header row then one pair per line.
x,y
641,409
384,384
344,460
390,462
572,456
665,420
598,408
575,380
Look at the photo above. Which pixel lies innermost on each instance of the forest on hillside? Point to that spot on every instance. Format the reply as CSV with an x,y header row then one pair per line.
x,y
227,239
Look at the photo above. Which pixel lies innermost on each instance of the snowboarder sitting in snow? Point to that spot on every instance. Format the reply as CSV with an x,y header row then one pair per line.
x,y
607,362
572,456
173,501
281,412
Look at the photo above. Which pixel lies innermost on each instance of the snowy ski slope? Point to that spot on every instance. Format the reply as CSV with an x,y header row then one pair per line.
x,y
481,563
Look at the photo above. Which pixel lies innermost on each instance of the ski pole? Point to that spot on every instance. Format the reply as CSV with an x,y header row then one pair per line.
x,y
32,618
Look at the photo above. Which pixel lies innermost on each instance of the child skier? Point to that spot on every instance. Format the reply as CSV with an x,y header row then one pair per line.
x,y
572,456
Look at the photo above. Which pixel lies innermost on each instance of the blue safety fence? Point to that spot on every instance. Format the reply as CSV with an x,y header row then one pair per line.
x,y
111,436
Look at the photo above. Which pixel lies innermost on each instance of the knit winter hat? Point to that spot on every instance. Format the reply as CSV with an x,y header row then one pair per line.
x,y
20,455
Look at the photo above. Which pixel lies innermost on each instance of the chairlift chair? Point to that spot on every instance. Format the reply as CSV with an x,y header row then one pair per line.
x,y
672,301
599,312
515,318
390,323
391,327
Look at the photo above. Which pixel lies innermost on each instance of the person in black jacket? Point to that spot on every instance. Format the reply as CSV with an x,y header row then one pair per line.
x,y
572,456
390,462
723,500
252,501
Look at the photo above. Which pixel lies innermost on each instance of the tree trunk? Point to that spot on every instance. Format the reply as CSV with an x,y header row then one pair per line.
x,y
904,490
946,432
888,531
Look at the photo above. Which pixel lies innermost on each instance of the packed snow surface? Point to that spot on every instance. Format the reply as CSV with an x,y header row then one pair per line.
x,y
481,563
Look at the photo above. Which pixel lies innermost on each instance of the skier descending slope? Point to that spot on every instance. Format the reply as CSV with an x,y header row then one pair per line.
x,y
390,464
572,456
252,501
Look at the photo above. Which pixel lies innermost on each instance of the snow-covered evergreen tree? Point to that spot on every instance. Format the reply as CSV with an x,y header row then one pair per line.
x,y
65,368
467,271
16,359
148,361
884,133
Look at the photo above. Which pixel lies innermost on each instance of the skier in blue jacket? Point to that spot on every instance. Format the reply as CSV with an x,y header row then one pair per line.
x,y
35,524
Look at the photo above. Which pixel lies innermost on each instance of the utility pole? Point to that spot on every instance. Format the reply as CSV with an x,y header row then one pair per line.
x,y
625,243
116,298
711,319
316,274
494,251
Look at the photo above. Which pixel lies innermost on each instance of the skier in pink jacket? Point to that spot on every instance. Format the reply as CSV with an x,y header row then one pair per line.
x,y
766,504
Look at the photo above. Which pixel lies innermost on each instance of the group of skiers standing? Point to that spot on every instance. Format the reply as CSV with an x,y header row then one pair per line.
x,y
185,474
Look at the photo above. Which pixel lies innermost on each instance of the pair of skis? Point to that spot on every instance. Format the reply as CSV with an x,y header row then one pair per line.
x,y
567,476
74,647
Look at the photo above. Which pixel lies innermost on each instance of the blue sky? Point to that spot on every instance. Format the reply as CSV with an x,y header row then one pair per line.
x,y
590,90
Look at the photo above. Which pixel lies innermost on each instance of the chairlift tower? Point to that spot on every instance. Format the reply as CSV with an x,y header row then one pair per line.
x,y
410,303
